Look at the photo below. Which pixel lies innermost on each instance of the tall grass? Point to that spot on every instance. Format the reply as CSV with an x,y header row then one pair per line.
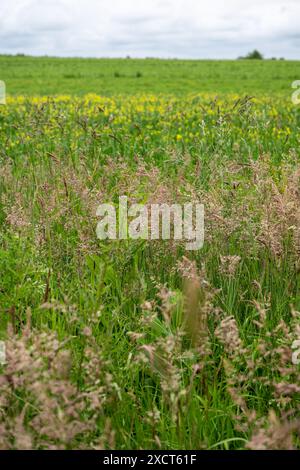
x,y
140,344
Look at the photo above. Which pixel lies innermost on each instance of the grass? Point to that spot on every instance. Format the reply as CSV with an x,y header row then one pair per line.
x,y
139,344
52,76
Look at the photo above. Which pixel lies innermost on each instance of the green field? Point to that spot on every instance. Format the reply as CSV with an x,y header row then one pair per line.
x,y
44,76
140,344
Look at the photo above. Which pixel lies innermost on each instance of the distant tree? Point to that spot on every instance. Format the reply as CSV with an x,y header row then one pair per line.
x,y
253,55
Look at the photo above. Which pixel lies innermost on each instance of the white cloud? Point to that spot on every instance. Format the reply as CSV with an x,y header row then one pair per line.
x,y
163,28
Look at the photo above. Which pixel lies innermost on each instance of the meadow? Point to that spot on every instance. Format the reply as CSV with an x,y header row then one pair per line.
x,y
137,344
33,76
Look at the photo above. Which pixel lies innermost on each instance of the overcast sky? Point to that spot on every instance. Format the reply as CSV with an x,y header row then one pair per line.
x,y
155,28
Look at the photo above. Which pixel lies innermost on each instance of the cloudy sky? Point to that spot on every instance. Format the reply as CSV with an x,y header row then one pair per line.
x,y
160,28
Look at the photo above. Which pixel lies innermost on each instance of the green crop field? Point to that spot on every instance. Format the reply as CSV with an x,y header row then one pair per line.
x,y
138,343
48,76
